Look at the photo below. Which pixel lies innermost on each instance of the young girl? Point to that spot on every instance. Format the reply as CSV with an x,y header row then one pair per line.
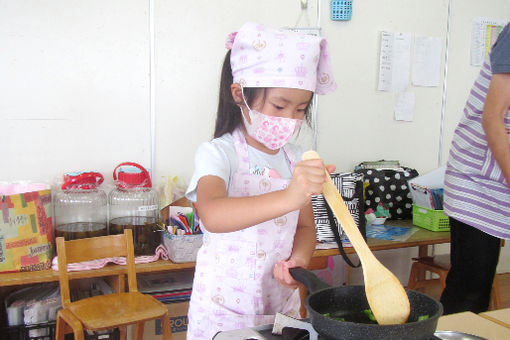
x,y
252,193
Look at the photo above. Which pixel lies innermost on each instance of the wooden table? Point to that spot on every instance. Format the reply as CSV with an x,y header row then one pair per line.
x,y
476,324
115,274
421,239
25,278
499,316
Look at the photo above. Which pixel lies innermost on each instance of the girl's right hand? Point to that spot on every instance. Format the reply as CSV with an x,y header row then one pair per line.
x,y
307,180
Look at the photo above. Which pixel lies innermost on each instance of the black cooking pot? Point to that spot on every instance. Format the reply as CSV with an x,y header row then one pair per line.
x,y
349,300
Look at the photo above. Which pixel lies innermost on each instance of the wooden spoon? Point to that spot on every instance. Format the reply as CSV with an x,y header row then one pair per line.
x,y
385,294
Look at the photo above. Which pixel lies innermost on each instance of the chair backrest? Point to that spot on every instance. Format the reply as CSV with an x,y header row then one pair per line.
x,y
94,248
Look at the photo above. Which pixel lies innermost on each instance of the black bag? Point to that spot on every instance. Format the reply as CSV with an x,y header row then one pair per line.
x,y
390,187
350,187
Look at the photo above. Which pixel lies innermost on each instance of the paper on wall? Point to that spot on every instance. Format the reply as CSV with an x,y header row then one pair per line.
x,y
427,61
394,61
404,106
483,35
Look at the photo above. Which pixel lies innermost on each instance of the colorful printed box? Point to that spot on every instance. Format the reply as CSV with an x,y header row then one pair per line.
x,y
26,233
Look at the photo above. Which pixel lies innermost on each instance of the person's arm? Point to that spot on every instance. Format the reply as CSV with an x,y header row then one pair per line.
x,y
220,213
493,116
304,240
302,249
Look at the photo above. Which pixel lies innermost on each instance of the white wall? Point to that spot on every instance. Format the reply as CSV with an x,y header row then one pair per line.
x,y
75,82
74,86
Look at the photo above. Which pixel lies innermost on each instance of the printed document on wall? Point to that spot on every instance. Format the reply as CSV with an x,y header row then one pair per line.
x,y
483,35
404,106
427,61
394,61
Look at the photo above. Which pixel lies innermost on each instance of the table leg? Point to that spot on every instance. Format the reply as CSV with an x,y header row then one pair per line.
x,y
423,251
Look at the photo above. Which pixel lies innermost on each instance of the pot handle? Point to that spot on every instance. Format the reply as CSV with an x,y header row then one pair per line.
x,y
308,278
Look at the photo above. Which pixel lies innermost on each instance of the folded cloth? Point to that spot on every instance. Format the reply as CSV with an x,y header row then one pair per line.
x,y
160,252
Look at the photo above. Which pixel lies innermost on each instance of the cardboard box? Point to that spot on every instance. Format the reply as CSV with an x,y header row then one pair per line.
x,y
178,322
26,232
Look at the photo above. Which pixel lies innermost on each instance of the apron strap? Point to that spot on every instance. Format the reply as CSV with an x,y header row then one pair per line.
x,y
241,148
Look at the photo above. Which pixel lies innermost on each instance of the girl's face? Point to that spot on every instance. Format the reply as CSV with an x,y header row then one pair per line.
x,y
283,102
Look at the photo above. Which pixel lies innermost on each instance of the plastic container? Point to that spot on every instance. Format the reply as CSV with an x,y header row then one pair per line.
x,y
378,221
341,10
133,204
182,248
434,220
81,207
47,330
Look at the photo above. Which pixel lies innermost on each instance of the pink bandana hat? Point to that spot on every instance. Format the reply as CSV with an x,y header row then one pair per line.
x,y
267,57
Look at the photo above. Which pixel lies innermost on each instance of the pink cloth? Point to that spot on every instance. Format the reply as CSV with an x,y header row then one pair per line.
x,y
233,285
100,263
20,187
267,57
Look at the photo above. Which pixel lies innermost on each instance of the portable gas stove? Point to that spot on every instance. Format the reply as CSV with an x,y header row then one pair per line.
x,y
284,328
287,328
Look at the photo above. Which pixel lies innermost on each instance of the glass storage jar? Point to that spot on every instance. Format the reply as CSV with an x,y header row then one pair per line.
x,y
81,207
133,204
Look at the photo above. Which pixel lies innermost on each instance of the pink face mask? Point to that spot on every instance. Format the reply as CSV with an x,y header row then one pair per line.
x,y
272,132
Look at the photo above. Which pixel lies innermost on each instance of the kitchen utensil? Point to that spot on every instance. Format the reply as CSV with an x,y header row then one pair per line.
x,y
452,335
386,295
352,299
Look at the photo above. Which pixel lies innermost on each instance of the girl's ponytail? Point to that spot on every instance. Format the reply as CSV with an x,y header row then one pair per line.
x,y
228,116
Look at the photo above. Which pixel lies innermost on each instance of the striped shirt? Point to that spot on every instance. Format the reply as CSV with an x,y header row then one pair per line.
x,y
476,192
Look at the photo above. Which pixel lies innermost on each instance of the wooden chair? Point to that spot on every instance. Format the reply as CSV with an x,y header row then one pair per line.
x,y
440,265
102,312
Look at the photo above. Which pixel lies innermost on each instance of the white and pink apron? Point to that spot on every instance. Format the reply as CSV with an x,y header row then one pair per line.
x,y
234,286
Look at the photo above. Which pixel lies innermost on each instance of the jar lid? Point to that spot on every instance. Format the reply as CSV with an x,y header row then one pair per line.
x,y
134,175
82,180
131,177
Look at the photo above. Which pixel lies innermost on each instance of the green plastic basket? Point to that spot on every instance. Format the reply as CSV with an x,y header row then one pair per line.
x,y
434,220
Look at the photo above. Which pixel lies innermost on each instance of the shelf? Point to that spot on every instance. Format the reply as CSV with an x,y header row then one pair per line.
x,y
422,238
24,278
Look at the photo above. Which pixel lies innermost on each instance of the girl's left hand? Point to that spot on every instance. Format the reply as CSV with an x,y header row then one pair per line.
x,y
282,275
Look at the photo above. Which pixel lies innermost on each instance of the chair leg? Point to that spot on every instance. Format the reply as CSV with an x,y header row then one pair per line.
x,y
495,297
61,328
165,325
122,332
78,335
139,330
413,276
67,321
442,279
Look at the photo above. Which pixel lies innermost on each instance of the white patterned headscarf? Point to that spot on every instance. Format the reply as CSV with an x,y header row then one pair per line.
x,y
267,57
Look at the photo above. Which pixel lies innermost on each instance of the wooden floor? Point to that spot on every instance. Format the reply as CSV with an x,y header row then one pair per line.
x,y
504,290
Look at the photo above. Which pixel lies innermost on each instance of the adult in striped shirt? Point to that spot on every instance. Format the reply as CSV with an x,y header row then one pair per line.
x,y
477,185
